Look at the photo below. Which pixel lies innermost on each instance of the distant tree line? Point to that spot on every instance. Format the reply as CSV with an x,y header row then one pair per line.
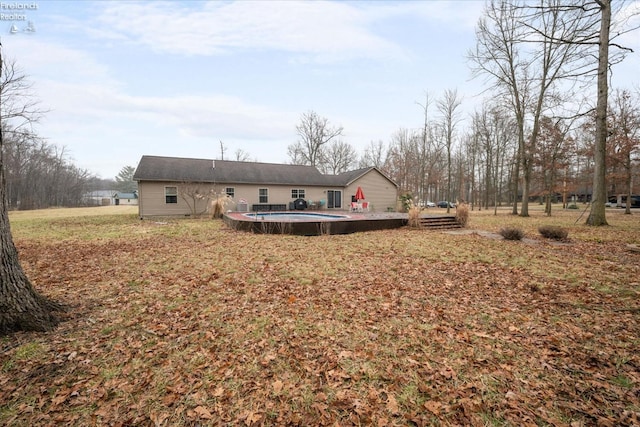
x,y
476,163
39,175
36,174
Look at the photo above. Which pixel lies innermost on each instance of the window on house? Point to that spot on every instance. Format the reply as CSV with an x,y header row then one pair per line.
x,y
171,194
230,191
263,195
297,193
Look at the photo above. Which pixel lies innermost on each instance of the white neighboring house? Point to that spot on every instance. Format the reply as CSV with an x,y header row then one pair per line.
x,y
121,198
99,198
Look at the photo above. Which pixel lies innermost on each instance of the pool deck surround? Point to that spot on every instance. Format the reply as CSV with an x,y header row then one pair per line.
x,y
346,223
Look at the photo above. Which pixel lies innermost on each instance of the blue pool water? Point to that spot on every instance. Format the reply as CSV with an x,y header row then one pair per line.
x,y
293,216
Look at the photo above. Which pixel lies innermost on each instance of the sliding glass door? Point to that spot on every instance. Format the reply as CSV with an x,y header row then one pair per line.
x,y
334,199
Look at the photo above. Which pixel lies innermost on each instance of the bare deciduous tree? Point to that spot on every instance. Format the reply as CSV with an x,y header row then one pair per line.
x,y
493,131
375,154
552,155
196,196
625,138
39,175
241,155
526,51
339,157
428,153
448,107
315,133
223,149
402,160
597,215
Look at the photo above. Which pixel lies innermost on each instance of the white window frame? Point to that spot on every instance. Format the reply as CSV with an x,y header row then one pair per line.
x,y
168,193
263,198
300,193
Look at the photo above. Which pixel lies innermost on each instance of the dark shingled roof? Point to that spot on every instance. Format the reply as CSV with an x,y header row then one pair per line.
x,y
177,169
121,195
266,173
347,178
155,168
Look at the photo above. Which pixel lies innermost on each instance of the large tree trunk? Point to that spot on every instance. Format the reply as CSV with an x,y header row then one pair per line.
x,y
629,178
21,307
515,183
516,171
599,196
526,185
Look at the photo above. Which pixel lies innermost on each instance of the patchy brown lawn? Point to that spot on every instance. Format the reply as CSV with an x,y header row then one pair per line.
x,y
185,322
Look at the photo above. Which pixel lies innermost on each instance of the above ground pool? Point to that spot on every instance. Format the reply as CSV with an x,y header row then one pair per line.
x,y
293,216
312,223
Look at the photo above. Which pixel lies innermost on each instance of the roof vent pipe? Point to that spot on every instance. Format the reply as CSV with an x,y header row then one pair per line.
x,y
213,164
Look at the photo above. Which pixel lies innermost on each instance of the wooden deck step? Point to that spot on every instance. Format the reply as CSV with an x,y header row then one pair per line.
x,y
439,222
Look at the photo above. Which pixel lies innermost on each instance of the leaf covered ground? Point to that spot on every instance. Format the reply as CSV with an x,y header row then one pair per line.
x,y
185,322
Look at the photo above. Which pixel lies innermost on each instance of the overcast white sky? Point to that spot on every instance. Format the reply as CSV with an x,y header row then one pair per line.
x,y
122,79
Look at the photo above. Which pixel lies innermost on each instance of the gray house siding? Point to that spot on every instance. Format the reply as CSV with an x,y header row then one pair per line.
x,y
277,193
379,191
152,200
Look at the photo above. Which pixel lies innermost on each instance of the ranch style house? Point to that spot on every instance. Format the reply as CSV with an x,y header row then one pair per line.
x,y
174,186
